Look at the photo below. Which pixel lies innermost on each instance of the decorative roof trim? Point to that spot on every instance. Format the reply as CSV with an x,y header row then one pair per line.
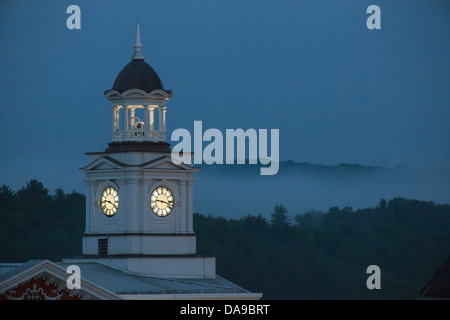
x,y
139,94
104,159
153,164
33,268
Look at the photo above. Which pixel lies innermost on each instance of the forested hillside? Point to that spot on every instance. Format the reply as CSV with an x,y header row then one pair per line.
x,y
315,255
36,225
325,255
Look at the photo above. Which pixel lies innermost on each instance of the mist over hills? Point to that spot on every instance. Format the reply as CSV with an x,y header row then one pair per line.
x,y
235,190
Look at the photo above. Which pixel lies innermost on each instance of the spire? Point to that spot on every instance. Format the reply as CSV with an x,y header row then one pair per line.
x,y
138,45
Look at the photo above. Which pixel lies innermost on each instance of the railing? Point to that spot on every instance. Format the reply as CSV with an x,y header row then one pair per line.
x,y
139,135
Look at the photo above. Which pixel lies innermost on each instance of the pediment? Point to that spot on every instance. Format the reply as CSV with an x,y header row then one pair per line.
x,y
104,163
166,164
46,280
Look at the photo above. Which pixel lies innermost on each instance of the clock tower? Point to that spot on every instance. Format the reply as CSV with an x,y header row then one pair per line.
x,y
139,203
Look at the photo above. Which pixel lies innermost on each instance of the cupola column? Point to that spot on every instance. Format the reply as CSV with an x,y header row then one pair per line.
x,y
152,118
117,118
125,122
160,113
146,122
164,119
114,121
132,113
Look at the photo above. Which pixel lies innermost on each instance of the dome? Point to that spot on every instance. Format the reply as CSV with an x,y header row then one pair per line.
x,y
137,75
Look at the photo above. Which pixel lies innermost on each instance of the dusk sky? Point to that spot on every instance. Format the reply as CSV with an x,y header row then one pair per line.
x,y
337,91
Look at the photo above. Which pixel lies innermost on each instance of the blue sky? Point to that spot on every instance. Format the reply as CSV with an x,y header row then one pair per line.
x,y
337,91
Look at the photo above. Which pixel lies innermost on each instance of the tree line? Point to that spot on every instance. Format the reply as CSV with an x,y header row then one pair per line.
x,y
35,224
313,255
325,255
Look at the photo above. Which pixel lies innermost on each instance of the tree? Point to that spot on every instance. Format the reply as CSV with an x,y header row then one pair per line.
x,y
7,210
382,204
279,217
6,195
311,219
334,211
256,224
34,204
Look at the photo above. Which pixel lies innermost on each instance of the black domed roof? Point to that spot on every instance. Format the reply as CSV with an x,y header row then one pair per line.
x,y
137,74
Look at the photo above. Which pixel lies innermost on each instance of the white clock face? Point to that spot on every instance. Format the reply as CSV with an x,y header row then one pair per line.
x,y
161,201
110,201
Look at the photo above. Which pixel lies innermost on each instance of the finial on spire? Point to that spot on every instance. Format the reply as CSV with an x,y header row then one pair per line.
x,y
138,45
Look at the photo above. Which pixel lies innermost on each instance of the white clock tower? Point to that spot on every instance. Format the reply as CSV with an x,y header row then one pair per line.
x,y
139,241
139,204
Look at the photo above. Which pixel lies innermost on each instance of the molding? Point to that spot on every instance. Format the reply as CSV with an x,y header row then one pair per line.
x,y
140,256
153,164
120,234
156,97
194,296
142,146
115,164
148,165
102,186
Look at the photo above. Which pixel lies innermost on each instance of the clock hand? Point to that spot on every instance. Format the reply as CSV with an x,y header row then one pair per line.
x,y
111,203
168,203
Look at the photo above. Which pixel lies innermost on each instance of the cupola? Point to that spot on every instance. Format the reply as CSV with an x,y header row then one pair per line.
x,y
136,95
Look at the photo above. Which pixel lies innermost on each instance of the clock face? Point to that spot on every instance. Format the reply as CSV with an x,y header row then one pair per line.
x,y
161,201
110,201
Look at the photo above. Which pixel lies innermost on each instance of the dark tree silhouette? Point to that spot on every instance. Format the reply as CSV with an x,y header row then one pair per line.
x,y
279,217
